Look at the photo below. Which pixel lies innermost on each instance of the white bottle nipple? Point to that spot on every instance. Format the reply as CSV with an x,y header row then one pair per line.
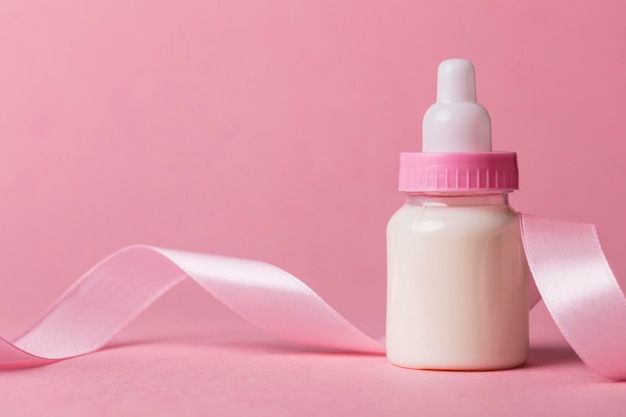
x,y
456,122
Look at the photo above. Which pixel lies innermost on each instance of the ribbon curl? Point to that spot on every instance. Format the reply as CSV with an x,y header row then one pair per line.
x,y
565,259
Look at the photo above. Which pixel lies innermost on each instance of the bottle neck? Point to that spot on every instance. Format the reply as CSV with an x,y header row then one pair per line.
x,y
458,200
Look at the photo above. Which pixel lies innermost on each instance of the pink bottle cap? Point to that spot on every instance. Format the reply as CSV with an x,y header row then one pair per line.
x,y
457,172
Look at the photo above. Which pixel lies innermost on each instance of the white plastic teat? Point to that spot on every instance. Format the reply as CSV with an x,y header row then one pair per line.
x,y
456,122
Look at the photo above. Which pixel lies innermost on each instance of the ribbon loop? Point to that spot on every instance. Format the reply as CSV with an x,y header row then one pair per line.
x,y
579,290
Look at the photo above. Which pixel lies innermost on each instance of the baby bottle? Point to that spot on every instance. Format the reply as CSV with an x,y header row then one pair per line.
x,y
456,270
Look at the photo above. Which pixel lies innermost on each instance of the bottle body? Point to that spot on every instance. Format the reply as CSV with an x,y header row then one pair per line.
x,y
457,284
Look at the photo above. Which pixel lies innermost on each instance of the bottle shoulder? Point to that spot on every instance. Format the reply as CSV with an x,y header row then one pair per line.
x,y
431,218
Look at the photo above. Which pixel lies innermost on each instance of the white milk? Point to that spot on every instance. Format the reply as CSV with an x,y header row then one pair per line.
x,y
457,289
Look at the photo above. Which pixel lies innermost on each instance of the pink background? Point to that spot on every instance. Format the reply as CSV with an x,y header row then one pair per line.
x,y
272,130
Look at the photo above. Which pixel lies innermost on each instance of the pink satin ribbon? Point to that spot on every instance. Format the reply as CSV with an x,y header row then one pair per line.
x,y
566,261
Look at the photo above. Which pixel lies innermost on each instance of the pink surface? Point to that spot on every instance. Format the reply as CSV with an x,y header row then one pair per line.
x,y
194,370
271,130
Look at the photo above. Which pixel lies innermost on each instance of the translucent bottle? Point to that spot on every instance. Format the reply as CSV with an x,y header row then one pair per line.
x,y
457,286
